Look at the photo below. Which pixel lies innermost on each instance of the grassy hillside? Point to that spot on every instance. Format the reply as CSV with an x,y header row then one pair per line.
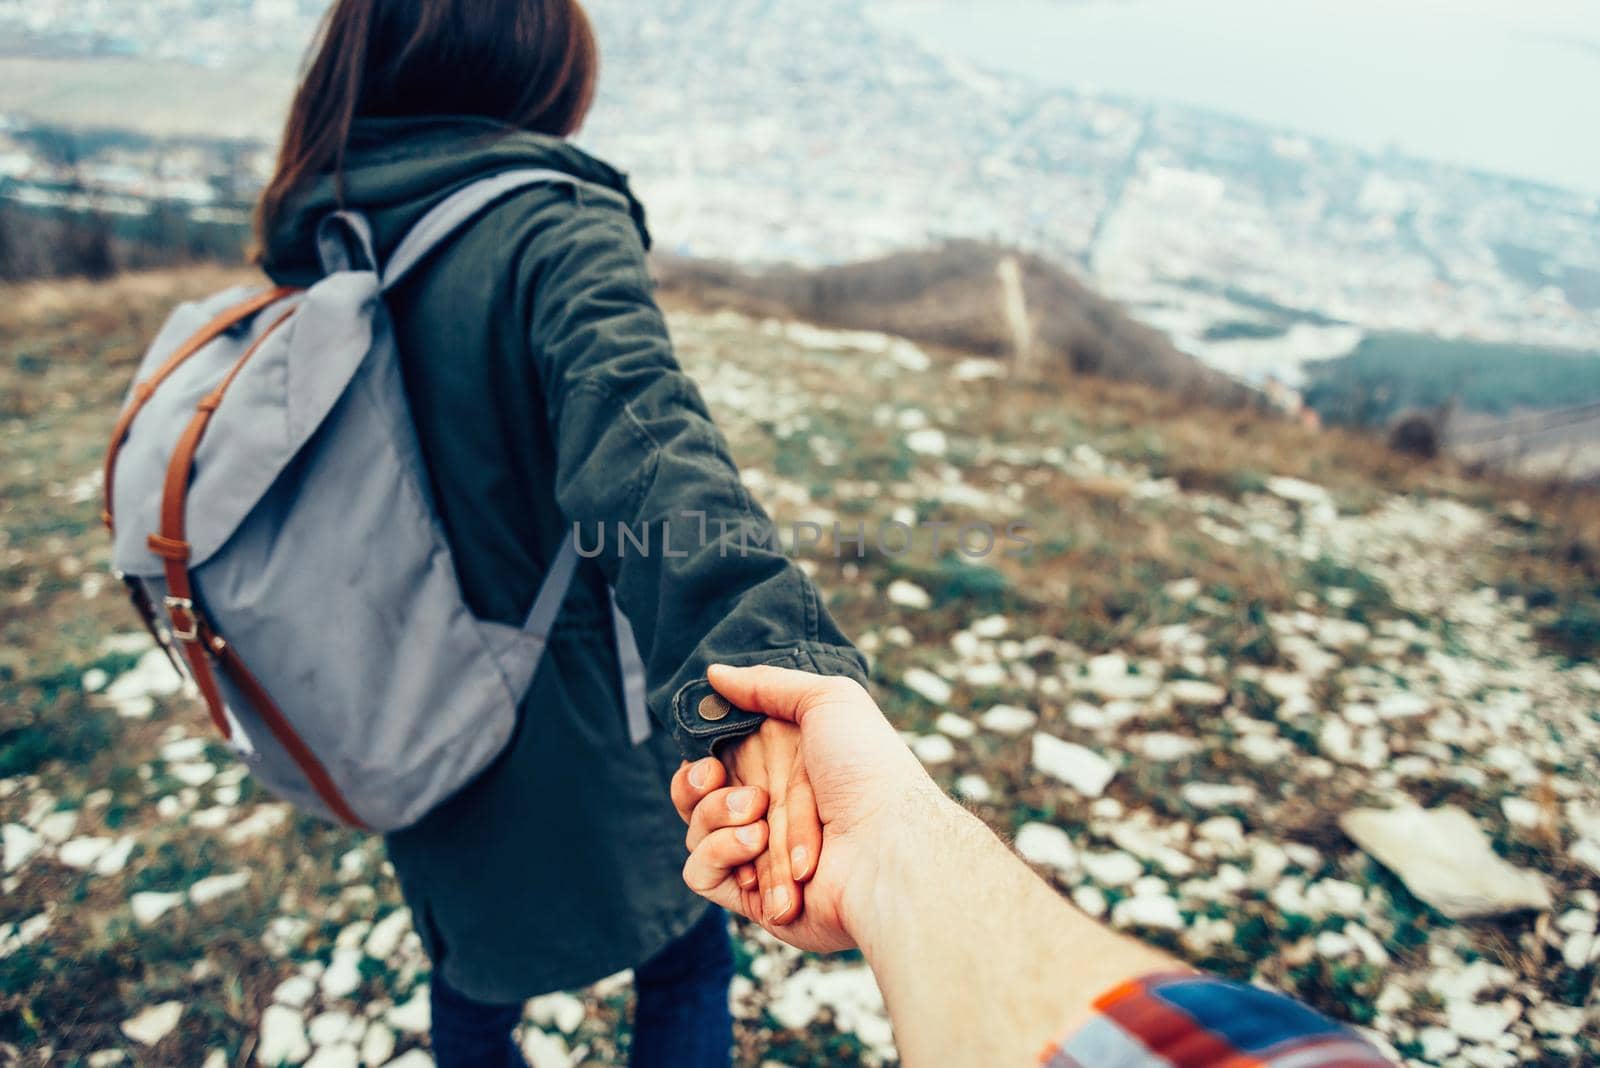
x,y
957,296
1390,373
1258,627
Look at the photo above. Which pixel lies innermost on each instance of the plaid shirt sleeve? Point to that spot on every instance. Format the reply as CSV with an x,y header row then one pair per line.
x,y
1186,1020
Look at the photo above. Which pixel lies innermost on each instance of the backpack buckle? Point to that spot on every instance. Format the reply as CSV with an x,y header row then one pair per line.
x,y
185,620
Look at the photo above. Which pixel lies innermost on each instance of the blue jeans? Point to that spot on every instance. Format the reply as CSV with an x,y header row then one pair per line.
x,y
680,1016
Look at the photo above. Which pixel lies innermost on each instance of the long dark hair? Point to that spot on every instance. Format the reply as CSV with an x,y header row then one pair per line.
x,y
530,63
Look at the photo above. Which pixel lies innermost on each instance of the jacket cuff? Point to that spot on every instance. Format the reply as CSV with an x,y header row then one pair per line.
x,y
700,735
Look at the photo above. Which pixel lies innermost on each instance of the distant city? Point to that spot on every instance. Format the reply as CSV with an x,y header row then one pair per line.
x,y
801,131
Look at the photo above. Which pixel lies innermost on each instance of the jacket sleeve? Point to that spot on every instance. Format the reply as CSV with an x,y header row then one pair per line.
x,y
636,447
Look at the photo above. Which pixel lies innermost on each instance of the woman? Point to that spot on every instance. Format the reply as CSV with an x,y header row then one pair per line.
x,y
545,393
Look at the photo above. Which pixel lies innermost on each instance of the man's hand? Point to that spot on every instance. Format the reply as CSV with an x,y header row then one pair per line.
x,y
863,772
980,961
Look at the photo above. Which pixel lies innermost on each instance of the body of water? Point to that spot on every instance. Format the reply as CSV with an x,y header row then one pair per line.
x,y
1511,87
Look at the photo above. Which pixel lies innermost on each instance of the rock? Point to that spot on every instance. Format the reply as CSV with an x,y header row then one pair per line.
x,y
544,1050
283,934
377,1045
295,991
211,819
1297,491
1587,853
1553,1018
908,595
1332,945
413,1017
1084,770
1111,685
1521,813
94,680
1443,858
929,441
132,694
1368,944
1112,869
1166,747
261,822
215,1059
1151,844
1222,830
1403,706
414,1058
82,853
1090,899
339,1055
850,994
20,845
343,976
1051,847
58,826
149,906
14,936
984,676
183,750
1196,693
329,1027
1438,1043
384,938
1208,795
1481,1022
1008,719
954,726
114,859
991,627
283,1037
974,788
933,749
218,886
193,774
154,1023
1335,897
1147,911
927,685
352,864
1579,947
562,1011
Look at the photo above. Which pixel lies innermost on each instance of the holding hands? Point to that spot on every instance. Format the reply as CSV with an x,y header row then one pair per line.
x,y
859,772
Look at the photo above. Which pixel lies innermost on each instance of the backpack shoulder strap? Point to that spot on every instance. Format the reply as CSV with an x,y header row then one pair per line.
x,y
456,210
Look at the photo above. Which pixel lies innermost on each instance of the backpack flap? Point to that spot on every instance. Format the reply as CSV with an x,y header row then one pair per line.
x,y
277,402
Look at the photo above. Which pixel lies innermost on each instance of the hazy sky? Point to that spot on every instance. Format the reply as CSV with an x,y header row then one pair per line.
x,y
1511,86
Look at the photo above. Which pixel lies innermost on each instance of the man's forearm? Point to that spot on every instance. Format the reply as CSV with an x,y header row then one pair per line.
x,y
959,930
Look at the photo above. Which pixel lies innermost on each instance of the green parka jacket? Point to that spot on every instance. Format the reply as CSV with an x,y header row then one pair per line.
x,y
545,394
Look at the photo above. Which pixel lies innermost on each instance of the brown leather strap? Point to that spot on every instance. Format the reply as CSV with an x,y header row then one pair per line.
x,y
146,389
200,642
284,732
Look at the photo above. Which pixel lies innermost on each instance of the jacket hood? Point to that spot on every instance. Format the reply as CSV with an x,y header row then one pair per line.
x,y
396,169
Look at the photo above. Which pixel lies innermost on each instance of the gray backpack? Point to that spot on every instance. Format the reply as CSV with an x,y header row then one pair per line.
x,y
274,522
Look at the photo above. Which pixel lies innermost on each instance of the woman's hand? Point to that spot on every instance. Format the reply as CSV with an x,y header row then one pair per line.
x,y
770,760
727,834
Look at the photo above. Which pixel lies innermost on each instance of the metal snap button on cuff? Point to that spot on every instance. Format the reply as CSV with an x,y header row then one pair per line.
x,y
714,707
